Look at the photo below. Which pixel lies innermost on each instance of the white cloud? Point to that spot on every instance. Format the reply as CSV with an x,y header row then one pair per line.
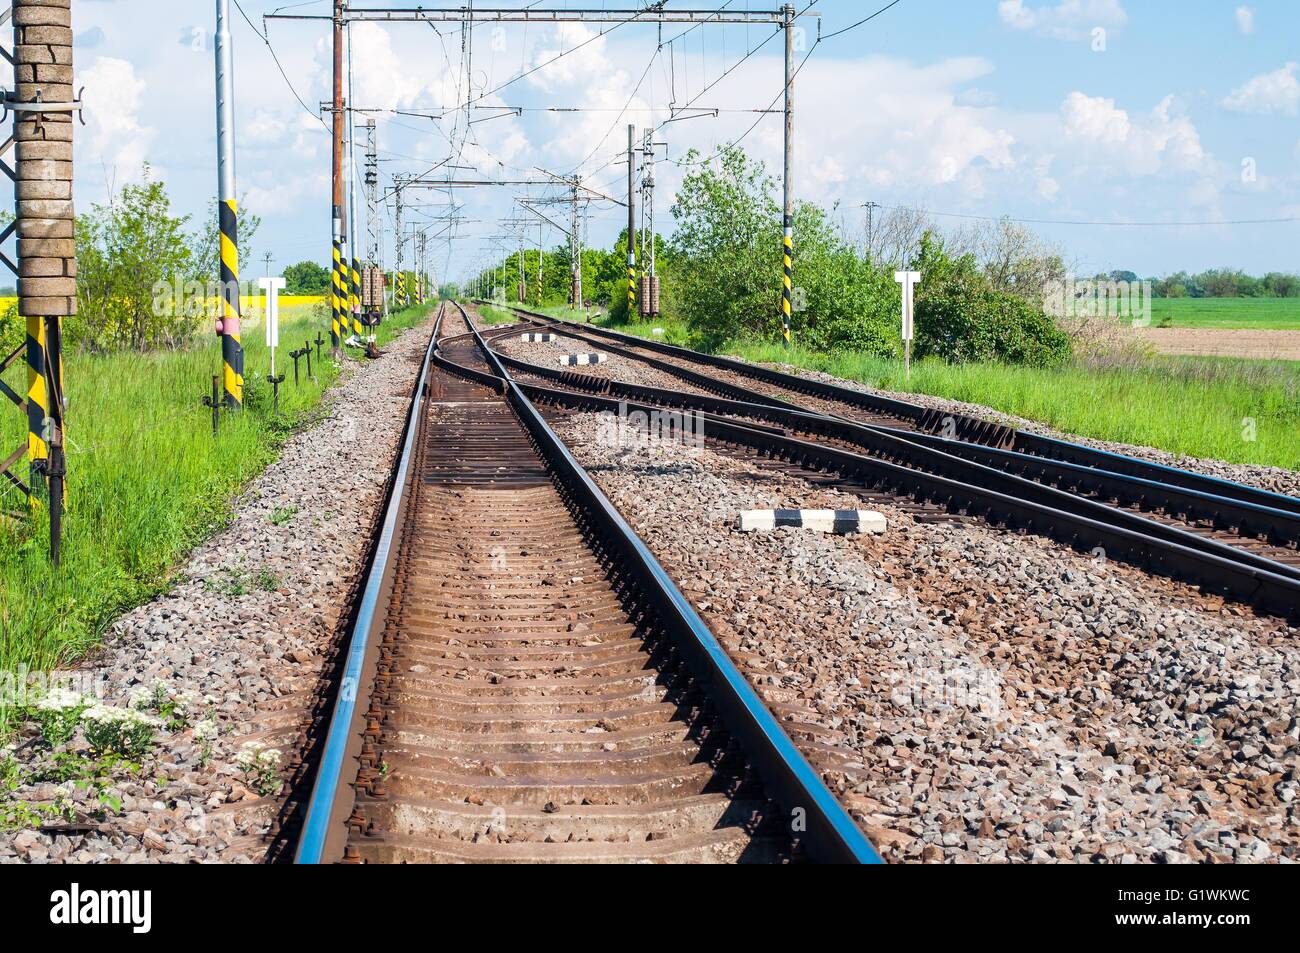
x,y
1158,142
1246,20
273,196
921,135
114,132
1094,119
1275,92
1068,20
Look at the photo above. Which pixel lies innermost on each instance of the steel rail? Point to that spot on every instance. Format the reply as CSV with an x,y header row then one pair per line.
x,y
322,813
831,835
1023,441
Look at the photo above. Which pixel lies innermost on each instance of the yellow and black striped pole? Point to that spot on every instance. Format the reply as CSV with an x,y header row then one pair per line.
x,y
356,298
337,325
38,404
232,351
787,291
232,348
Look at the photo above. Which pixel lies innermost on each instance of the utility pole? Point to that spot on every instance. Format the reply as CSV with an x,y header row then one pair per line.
x,y
871,230
232,351
374,227
41,106
575,251
337,211
268,258
787,237
399,242
352,267
631,221
649,279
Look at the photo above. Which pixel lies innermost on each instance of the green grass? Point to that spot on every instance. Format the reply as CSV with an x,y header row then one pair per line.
x,y
1256,314
146,481
564,312
491,314
1196,406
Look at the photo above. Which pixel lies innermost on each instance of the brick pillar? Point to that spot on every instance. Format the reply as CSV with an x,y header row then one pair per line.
x,y
47,284
47,252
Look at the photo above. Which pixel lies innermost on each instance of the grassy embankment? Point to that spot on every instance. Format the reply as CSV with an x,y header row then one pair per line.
x,y
146,480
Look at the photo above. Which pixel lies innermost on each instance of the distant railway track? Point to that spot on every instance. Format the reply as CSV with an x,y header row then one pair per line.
x,y
524,682
1233,545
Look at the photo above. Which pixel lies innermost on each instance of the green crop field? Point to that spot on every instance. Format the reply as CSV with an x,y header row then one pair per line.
x,y
146,479
1255,314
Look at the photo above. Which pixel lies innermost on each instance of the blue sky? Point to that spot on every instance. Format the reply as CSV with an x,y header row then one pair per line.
x,y
1077,110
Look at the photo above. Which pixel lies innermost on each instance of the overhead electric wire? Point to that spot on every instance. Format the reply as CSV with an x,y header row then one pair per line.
x,y
265,38
854,26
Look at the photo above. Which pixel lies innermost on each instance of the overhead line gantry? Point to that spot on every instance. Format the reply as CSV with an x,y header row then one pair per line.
x,y
784,18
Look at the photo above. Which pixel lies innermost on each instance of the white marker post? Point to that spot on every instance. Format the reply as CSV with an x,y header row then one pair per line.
x,y
908,280
271,288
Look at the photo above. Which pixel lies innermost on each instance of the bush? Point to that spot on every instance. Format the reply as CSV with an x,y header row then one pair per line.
x,y
960,317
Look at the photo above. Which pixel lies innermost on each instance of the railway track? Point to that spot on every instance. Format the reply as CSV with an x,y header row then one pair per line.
x,y
523,681
781,388
1168,528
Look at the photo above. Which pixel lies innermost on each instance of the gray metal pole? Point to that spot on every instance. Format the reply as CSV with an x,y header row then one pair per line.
x,y
351,132
232,352
787,238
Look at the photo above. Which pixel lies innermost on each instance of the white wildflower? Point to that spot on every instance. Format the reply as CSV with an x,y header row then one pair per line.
x,y
60,699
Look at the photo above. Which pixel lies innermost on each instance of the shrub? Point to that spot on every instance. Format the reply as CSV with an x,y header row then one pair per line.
x,y
960,317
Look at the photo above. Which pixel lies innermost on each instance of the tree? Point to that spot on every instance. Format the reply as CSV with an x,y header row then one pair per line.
x,y
133,259
725,212
306,278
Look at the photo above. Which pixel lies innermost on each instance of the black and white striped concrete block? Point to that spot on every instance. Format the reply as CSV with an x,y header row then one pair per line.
x,y
583,360
538,338
839,522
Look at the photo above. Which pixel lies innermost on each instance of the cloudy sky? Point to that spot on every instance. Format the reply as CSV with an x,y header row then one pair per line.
x,y
1098,111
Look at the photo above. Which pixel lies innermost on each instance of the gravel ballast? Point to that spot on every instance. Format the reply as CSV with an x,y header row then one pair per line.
x,y
974,695
242,640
